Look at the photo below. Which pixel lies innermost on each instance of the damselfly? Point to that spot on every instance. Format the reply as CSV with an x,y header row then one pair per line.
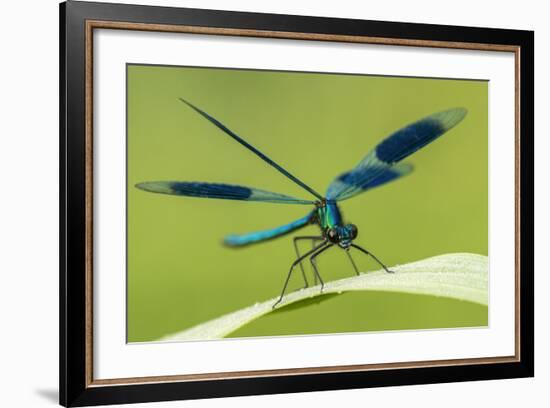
x,y
380,166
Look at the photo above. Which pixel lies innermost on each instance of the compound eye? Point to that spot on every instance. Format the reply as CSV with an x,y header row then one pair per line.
x,y
353,231
333,235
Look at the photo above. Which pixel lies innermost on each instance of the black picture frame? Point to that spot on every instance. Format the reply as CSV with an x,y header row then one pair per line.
x,y
77,387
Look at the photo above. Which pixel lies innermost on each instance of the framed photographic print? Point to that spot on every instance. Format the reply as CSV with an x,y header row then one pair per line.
x,y
256,203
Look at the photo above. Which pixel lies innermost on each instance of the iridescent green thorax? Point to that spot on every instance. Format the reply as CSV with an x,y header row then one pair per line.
x,y
329,215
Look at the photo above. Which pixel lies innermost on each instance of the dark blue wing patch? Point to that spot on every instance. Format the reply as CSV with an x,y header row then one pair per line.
x,y
217,190
408,140
211,190
239,240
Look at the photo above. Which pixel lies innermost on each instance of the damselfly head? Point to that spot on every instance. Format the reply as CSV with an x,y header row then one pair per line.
x,y
342,236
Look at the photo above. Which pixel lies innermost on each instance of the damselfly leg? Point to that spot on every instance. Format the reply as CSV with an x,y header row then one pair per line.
x,y
352,262
373,257
312,239
296,262
313,261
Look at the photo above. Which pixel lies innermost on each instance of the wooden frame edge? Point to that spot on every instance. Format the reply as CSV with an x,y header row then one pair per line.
x,y
231,375
290,35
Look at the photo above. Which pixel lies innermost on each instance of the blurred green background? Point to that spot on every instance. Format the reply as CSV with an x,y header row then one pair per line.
x,y
316,126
